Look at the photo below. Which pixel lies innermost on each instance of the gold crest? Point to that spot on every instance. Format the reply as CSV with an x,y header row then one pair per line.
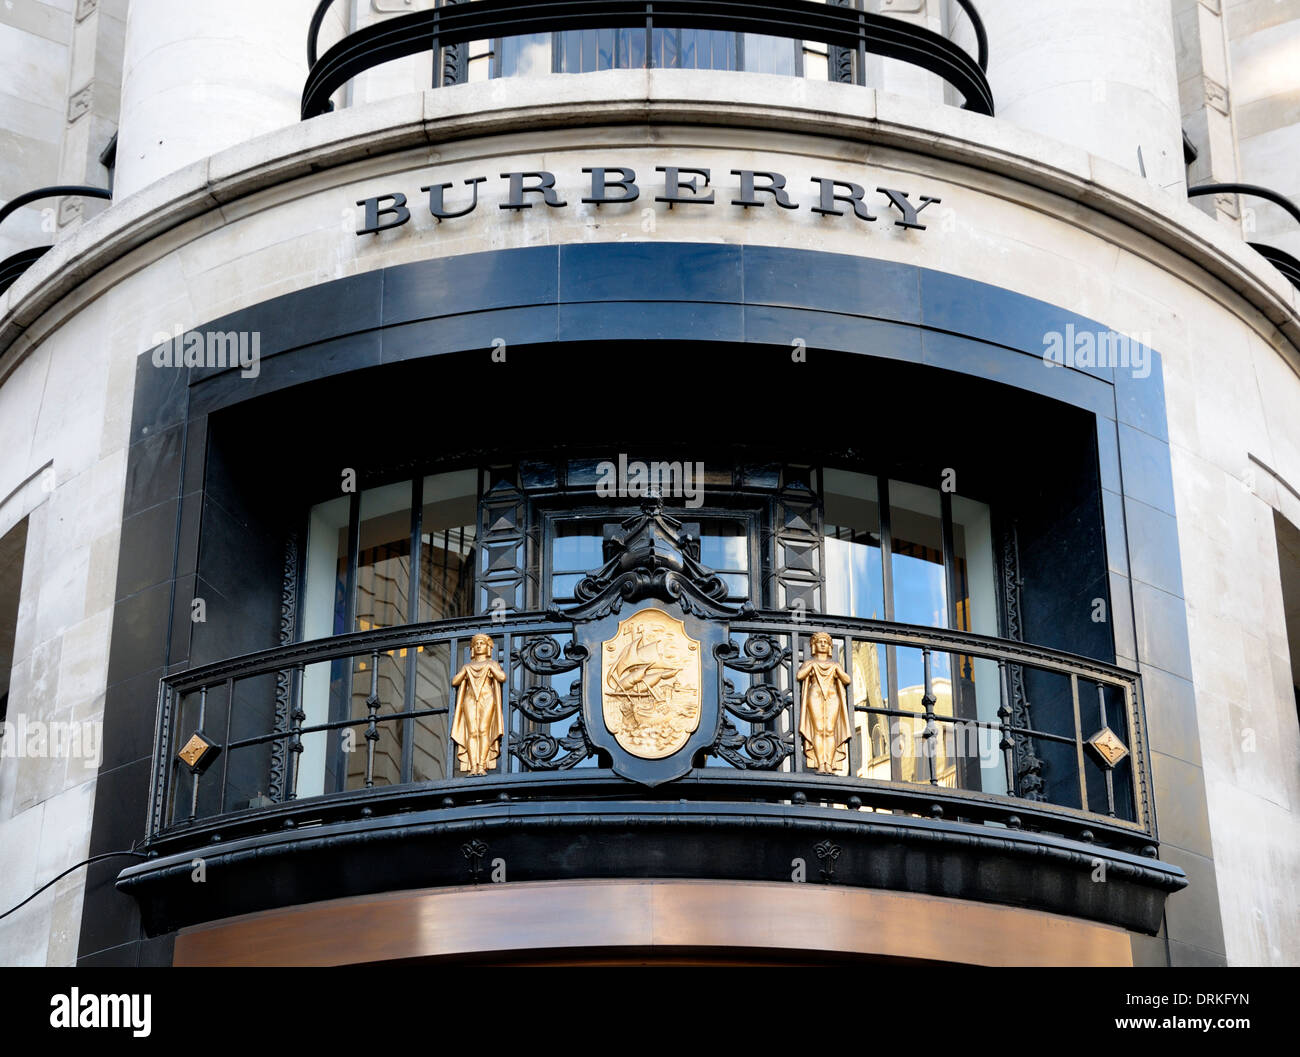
x,y
650,675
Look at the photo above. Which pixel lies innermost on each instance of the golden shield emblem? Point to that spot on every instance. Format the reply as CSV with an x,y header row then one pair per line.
x,y
650,678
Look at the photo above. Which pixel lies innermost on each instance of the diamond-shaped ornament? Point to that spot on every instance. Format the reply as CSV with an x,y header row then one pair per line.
x,y
198,752
1107,747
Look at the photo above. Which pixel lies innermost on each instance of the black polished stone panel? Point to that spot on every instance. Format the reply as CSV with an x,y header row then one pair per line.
x,y
475,282
134,705
651,320
683,272
506,329
154,470
1153,546
1140,400
957,353
1171,715
1147,474
343,306
148,548
600,294
1192,915
139,641
335,356
993,314
162,394
834,282
791,328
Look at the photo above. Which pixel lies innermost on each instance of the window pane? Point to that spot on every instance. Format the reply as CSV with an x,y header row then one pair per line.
x,y
854,579
448,534
920,596
384,557
978,682
577,546
324,607
528,56
769,54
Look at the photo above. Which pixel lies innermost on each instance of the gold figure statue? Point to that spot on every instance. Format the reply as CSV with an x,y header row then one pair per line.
x,y
825,725
478,726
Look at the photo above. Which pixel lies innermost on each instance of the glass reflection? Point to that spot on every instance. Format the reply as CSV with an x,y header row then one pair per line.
x,y
589,50
448,533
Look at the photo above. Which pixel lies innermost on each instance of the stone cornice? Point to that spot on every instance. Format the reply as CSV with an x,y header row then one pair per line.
x,y
957,138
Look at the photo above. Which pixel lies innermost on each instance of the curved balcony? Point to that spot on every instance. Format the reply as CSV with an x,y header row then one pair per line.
x,y
13,266
850,33
1284,262
926,796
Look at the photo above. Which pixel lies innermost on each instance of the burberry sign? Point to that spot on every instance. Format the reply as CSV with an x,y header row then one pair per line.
x,y
673,185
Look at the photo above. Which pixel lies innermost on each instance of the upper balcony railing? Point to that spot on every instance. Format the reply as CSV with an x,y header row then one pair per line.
x,y
14,266
855,33
1284,262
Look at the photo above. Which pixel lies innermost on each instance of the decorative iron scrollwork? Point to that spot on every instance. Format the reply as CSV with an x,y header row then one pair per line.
x,y
762,654
764,750
759,704
543,704
545,752
540,655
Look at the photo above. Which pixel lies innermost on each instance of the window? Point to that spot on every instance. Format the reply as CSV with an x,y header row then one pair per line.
x,y
398,554
577,547
13,546
901,552
588,50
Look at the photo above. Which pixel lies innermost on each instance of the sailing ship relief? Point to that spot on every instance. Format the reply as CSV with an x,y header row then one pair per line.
x,y
651,685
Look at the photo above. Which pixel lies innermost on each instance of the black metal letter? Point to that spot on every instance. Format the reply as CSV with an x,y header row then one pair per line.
x,y
674,185
398,210
910,212
775,187
600,182
436,201
545,187
853,198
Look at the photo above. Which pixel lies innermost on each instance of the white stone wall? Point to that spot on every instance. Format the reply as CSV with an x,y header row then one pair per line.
x,y
64,416
1264,42
35,43
1096,74
199,77
1231,379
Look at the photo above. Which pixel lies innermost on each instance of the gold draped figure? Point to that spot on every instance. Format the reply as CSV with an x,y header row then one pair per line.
x,y
478,726
824,725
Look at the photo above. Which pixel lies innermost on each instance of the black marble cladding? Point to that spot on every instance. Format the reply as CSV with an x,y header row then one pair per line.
x,y
219,462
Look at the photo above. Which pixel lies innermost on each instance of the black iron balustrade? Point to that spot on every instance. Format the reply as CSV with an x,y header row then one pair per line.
x,y
849,29
14,266
1284,262
757,754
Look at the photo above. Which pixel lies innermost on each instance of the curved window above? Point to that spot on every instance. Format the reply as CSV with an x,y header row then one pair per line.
x,y
589,50
448,43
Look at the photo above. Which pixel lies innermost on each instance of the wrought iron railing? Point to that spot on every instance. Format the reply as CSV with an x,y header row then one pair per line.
x,y
14,266
1284,262
1077,769
450,24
